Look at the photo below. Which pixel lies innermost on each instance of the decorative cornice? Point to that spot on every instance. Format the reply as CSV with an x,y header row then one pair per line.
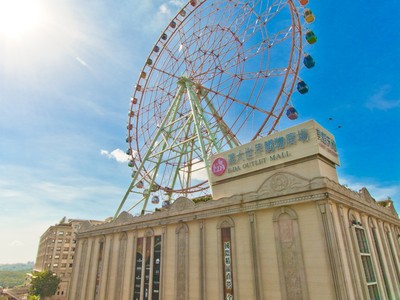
x,y
279,189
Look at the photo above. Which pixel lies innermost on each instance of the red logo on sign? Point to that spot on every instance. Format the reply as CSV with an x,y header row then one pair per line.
x,y
219,166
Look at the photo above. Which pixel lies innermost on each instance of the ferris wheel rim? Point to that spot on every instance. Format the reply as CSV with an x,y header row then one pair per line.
x,y
290,78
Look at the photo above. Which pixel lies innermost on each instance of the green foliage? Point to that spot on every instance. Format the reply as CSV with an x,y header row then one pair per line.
x,y
44,284
33,297
12,279
202,199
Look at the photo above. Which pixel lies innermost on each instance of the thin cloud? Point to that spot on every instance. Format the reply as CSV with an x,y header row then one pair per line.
x,y
163,9
380,100
16,243
117,154
377,191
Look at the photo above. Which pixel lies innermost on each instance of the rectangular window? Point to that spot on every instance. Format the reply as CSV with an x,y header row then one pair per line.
x,y
61,233
227,262
367,263
156,268
138,269
149,260
147,268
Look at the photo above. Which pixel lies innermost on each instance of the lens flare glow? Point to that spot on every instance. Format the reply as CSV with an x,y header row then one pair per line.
x,y
19,17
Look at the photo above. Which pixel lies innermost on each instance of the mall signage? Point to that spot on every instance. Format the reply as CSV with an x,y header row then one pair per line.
x,y
303,140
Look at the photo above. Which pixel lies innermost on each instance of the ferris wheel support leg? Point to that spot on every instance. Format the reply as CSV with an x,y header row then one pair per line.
x,y
223,126
195,106
175,176
173,108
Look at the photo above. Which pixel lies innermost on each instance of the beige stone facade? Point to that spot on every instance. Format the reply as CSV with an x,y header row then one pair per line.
x,y
57,250
282,228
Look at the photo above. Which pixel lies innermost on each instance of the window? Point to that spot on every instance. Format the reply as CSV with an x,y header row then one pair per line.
x,y
227,262
66,249
138,269
61,233
63,266
366,261
55,266
156,267
65,256
60,240
150,260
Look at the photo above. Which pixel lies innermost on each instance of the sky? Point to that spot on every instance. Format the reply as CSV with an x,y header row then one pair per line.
x,y
67,72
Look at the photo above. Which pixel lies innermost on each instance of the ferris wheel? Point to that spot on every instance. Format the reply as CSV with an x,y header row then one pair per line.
x,y
220,74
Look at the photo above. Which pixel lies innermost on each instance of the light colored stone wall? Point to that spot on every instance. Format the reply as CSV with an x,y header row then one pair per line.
x,y
291,234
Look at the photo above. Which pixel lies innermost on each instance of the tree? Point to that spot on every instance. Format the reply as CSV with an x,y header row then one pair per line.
x,y
44,284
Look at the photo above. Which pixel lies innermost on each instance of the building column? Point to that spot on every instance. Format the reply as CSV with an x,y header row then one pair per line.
x,y
335,259
255,258
75,271
81,271
202,259
104,271
87,268
94,256
129,267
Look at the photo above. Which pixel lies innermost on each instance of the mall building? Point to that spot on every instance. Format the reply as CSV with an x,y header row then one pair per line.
x,y
279,226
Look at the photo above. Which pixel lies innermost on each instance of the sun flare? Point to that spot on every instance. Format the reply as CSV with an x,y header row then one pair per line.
x,y
19,17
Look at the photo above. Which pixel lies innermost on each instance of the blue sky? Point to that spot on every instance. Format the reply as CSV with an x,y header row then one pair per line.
x,y
66,83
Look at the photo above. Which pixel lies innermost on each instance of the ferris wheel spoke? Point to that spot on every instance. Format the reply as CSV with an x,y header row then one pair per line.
x,y
266,44
170,75
273,10
265,73
243,103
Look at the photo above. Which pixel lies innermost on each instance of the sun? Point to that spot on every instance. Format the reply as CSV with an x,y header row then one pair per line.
x,y
19,17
